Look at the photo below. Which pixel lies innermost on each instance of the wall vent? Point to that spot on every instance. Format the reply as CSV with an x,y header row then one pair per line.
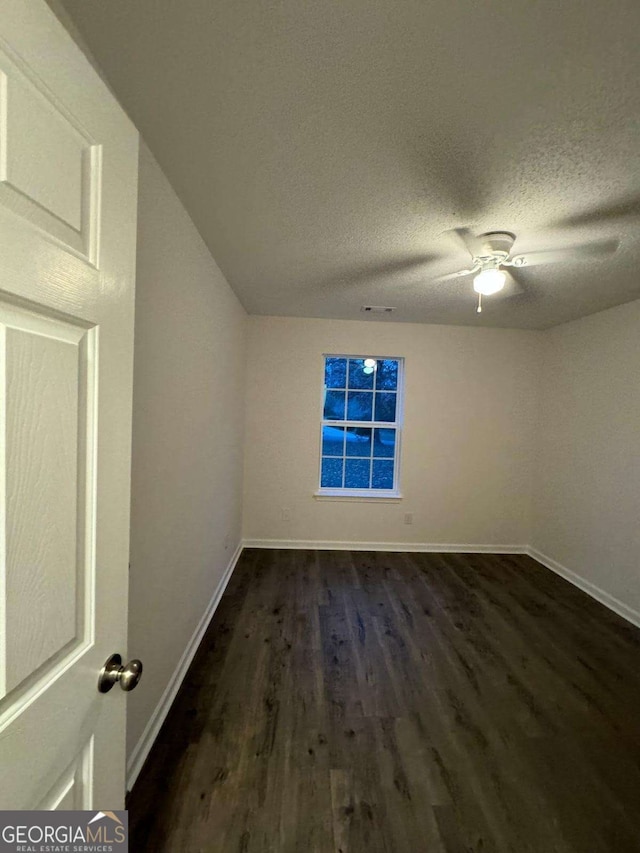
x,y
377,309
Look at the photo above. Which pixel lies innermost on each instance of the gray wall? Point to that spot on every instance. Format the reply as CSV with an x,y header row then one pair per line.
x,y
188,415
587,483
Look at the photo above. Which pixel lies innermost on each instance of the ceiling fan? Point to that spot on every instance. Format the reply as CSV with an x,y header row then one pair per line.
x,y
490,253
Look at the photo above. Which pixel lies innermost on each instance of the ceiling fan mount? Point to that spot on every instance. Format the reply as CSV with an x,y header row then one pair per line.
x,y
494,246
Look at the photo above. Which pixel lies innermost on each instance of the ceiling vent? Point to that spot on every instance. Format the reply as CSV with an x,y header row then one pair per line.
x,y
377,309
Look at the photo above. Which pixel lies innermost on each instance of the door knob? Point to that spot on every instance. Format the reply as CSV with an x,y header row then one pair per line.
x,y
113,671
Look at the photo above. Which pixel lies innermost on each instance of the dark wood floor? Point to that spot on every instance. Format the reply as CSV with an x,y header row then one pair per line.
x,y
363,702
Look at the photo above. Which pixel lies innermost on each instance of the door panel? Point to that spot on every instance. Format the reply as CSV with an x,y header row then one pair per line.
x,y
62,201
73,789
68,188
49,514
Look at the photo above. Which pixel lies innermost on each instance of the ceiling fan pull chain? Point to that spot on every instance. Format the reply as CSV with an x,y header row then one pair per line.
x,y
479,308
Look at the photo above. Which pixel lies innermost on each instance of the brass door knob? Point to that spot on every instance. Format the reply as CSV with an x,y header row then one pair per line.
x,y
113,671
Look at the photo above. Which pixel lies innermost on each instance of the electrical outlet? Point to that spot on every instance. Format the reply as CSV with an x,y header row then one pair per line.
x,y
286,513
408,518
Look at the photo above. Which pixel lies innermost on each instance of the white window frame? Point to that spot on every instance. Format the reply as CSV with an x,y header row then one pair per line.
x,y
377,495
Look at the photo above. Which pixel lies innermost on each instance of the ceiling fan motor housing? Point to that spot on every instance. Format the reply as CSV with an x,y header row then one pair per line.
x,y
496,245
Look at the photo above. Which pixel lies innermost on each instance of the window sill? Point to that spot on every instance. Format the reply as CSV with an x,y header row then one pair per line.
x,y
366,495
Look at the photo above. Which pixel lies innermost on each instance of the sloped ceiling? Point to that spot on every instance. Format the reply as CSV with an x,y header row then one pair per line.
x,y
323,147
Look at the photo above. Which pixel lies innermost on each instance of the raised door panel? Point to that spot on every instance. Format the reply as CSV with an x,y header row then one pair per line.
x,y
48,398
72,790
50,169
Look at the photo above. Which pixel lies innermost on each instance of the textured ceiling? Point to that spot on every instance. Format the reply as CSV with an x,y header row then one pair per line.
x,y
322,147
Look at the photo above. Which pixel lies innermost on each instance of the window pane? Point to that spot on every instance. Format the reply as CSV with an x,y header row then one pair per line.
x,y
359,375
331,473
359,405
387,375
355,454
335,373
334,405
382,474
384,443
385,407
357,474
358,441
332,441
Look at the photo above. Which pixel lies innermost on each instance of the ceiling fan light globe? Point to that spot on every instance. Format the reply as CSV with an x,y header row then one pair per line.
x,y
489,282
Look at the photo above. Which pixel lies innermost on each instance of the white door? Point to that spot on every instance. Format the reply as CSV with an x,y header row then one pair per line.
x,y
68,190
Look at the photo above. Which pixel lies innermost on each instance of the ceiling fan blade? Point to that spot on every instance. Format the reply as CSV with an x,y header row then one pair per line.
x,y
512,286
601,249
465,238
625,208
458,274
376,272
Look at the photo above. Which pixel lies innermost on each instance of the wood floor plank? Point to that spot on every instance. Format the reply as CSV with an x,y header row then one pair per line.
x,y
356,702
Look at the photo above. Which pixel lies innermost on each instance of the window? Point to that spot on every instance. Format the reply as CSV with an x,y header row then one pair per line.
x,y
360,439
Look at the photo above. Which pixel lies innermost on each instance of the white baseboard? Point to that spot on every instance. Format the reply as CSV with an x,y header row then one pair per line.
x,y
591,589
384,546
150,733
